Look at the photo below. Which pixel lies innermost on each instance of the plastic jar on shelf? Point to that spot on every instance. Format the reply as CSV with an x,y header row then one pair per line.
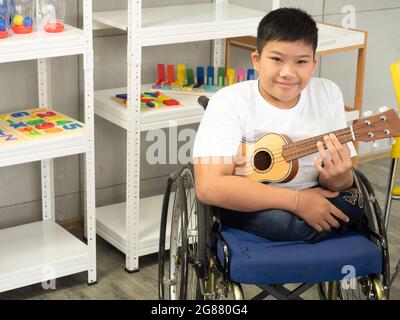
x,y
22,20
4,18
53,15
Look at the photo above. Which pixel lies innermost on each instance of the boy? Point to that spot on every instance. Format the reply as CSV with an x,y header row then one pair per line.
x,y
286,100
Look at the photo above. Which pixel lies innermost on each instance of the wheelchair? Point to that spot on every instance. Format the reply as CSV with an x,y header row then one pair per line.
x,y
201,259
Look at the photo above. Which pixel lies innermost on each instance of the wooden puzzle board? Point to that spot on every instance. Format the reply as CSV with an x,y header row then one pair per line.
x,y
36,124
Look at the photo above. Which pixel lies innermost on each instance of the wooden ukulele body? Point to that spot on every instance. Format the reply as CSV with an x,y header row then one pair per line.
x,y
263,160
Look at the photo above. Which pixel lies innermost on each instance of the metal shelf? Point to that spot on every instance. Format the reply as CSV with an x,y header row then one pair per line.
x,y
186,23
111,224
43,251
40,45
190,112
43,149
38,252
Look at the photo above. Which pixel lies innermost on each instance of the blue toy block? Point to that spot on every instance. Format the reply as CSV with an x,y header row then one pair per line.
x,y
250,74
210,75
200,76
122,96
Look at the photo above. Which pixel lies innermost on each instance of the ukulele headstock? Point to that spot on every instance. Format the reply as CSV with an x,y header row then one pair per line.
x,y
384,125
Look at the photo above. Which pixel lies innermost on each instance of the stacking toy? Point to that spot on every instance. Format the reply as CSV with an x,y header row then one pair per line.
x,y
23,19
53,12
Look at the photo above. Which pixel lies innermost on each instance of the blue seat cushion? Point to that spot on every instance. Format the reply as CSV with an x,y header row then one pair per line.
x,y
255,260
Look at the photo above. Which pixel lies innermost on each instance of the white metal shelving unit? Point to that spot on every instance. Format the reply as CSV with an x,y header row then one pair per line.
x,y
44,251
119,223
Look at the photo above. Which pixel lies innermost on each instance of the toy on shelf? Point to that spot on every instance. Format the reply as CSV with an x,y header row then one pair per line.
x,y
53,15
205,82
4,18
180,76
149,100
36,124
22,20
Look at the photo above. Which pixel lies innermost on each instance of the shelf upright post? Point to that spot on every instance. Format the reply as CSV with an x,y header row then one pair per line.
x,y
133,134
90,214
219,45
47,166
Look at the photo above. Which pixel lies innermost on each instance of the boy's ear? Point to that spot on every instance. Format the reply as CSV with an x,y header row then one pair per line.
x,y
315,64
255,57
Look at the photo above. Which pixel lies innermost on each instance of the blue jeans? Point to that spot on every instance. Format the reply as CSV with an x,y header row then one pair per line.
x,y
281,225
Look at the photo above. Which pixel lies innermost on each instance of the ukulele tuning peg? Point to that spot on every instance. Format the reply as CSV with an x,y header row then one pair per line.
x,y
368,113
383,109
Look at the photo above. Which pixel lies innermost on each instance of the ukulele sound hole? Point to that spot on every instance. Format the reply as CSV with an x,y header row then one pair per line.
x,y
262,161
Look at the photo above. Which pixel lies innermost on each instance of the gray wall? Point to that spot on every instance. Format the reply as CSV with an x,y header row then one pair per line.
x,y
20,192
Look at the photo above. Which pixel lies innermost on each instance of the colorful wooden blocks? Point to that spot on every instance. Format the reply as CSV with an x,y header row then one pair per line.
x,y
204,82
149,100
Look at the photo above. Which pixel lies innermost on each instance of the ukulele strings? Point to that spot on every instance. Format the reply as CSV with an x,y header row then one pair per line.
x,y
276,153
357,127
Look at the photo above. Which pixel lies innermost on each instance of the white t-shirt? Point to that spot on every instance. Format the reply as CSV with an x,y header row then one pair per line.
x,y
239,112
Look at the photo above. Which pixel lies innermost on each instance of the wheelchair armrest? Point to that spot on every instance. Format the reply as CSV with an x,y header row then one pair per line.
x,y
379,238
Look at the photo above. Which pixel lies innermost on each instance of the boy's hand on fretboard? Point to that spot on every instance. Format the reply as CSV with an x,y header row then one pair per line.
x,y
335,171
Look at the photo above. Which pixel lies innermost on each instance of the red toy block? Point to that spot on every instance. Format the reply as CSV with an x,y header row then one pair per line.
x,y
160,74
171,102
170,74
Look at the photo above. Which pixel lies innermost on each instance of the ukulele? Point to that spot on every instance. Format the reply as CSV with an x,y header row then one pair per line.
x,y
274,157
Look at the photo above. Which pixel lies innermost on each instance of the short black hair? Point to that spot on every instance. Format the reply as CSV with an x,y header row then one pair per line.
x,y
287,24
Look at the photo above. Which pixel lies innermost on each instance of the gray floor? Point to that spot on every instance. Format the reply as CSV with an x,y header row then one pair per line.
x,y
115,283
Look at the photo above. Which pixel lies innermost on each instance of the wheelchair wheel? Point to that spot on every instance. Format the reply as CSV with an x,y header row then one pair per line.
x,y
361,288
177,276
191,233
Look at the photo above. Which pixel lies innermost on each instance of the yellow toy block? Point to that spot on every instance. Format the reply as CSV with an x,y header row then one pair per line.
x,y
163,98
230,76
180,79
158,104
187,89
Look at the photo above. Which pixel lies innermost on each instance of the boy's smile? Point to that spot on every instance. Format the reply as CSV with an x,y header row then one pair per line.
x,y
285,68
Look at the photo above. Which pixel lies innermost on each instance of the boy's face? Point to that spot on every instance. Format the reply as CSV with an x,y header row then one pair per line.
x,y
284,68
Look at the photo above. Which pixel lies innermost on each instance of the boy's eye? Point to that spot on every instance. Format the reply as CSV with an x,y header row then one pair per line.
x,y
302,61
277,59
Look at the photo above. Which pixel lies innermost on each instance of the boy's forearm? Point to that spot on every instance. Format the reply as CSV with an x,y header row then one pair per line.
x,y
338,184
242,194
